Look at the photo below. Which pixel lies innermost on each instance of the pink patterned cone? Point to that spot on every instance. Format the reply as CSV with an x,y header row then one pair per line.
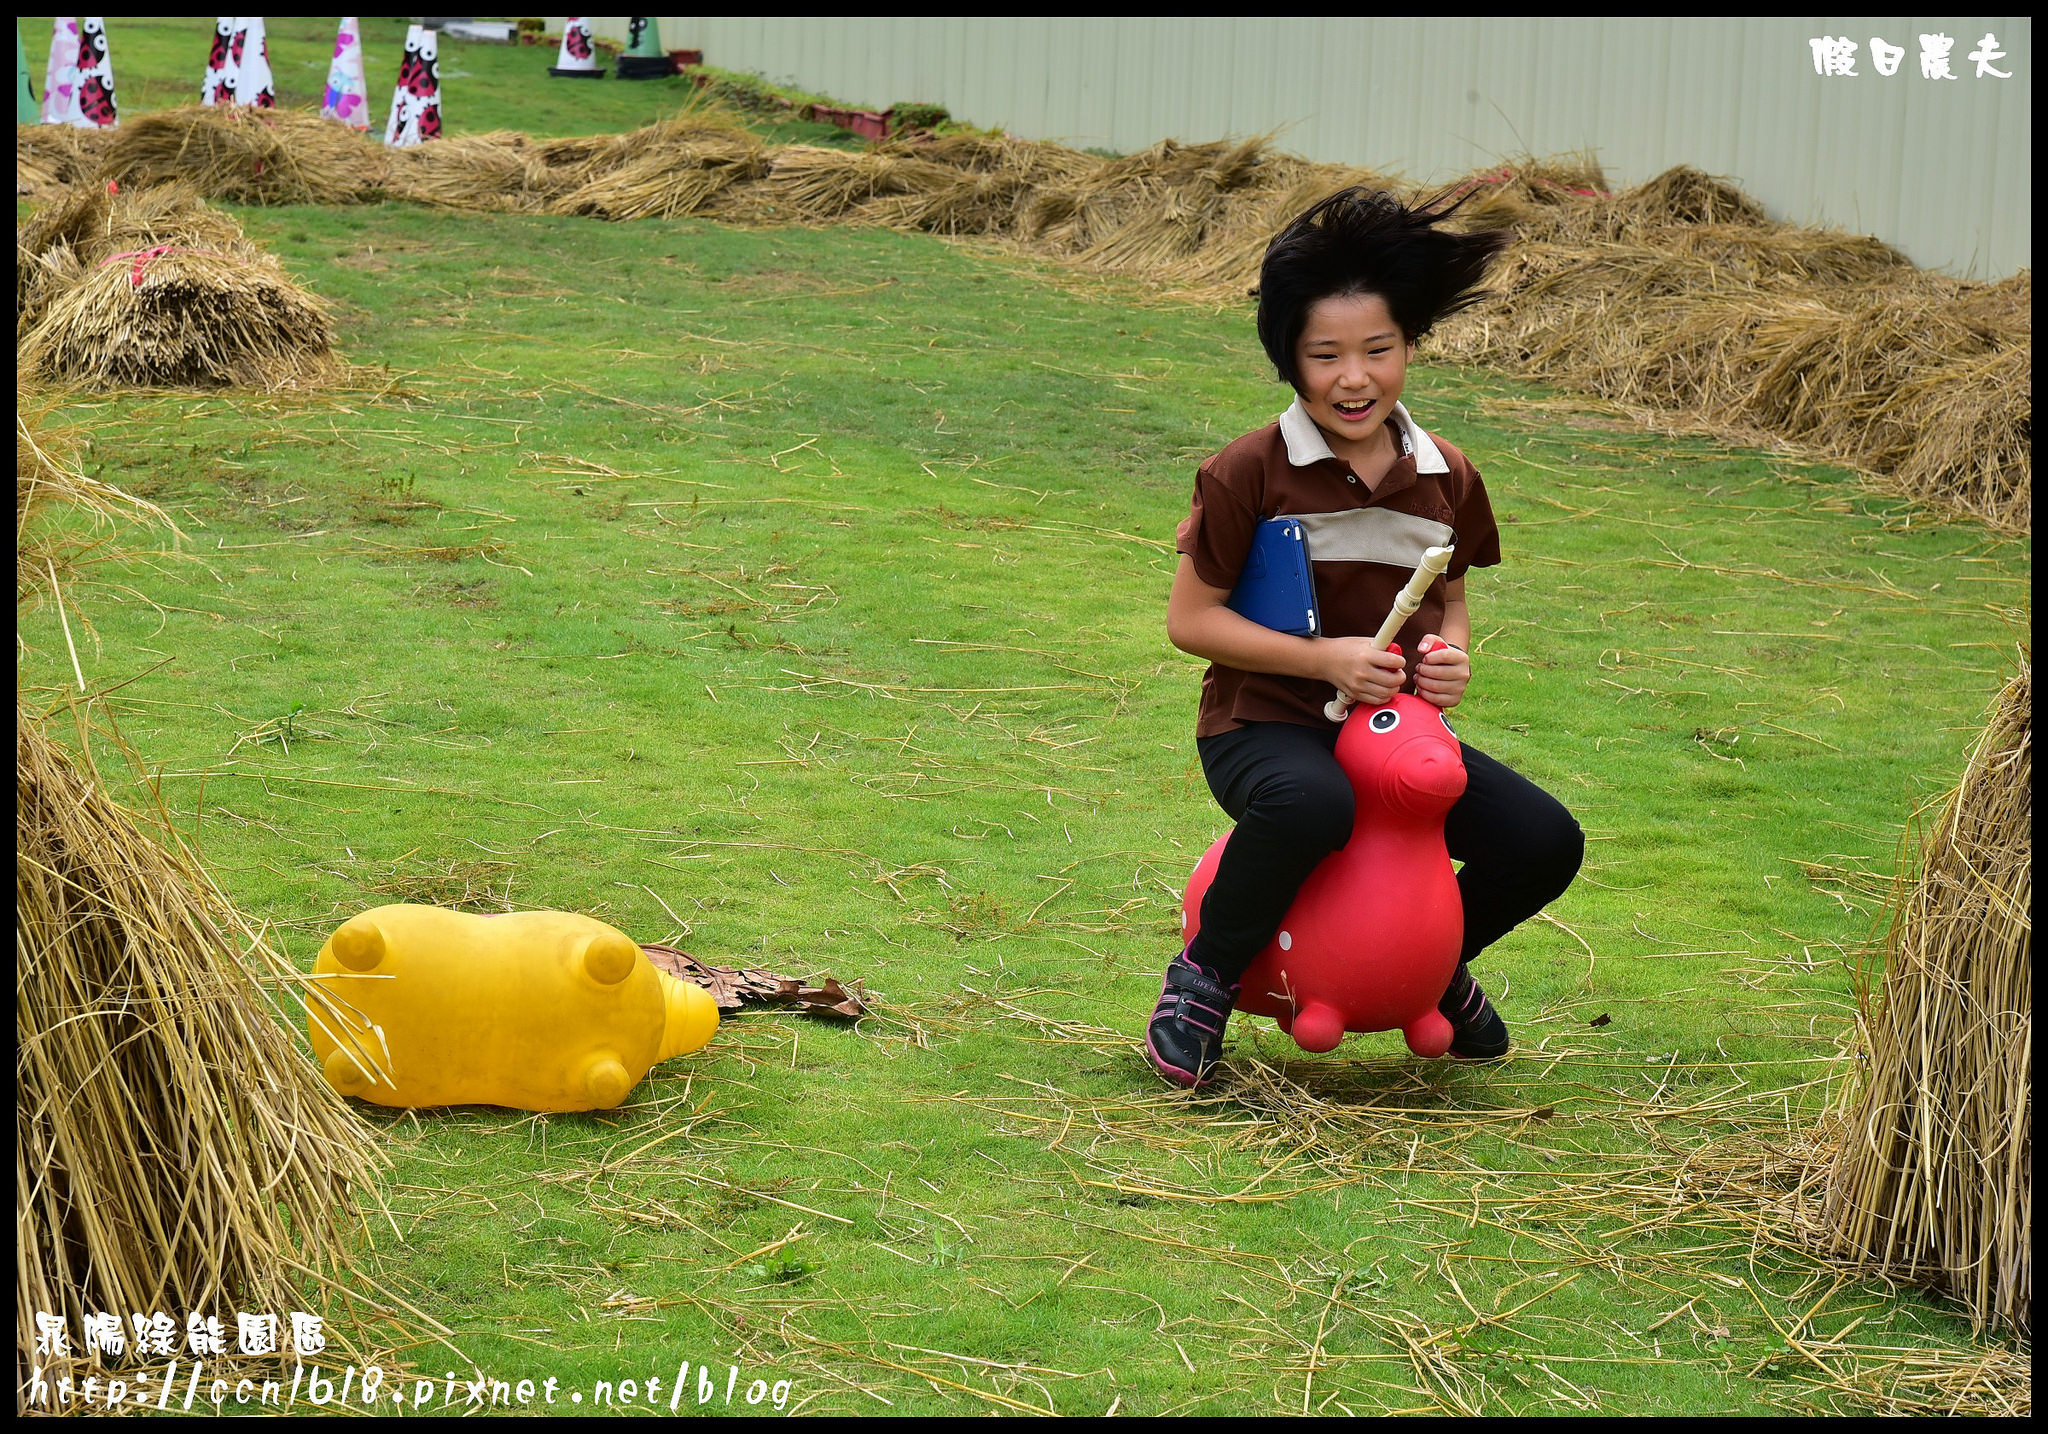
x,y
348,91
60,77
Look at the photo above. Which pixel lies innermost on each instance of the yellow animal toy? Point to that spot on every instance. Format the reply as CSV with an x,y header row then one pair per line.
x,y
538,1010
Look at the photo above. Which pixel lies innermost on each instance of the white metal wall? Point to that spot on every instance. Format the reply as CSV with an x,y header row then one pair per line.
x,y
1941,168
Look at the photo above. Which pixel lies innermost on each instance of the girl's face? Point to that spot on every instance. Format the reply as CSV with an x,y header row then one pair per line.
x,y
1353,361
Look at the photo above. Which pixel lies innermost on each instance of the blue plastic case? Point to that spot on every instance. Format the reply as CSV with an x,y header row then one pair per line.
x,y
1276,588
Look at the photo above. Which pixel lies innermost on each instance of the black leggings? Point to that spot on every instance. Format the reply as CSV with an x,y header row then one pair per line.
x,y
1293,807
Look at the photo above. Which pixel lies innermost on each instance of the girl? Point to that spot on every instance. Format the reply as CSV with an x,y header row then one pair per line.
x,y
1344,293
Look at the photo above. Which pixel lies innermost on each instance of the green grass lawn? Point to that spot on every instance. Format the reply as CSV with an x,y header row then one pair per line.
x,y
798,596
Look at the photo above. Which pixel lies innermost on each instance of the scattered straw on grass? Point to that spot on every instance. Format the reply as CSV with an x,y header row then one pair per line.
x,y
48,478
173,1150
1934,1174
1688,1183
450,882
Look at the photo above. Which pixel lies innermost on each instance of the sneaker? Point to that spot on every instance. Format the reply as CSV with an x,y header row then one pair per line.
x,y
1479,1034
1185,1037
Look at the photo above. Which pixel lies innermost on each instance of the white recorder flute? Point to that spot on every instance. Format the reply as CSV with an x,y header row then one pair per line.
x,y
1434,561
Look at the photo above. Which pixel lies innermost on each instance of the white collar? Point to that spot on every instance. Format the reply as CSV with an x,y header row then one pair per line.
x,y
1306,444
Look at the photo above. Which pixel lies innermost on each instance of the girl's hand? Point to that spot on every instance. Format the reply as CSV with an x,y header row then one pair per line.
x,y
1442,672
1365,678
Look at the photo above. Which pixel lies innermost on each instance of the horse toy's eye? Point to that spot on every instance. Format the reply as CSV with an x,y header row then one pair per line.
x,y
1447,724
1385,720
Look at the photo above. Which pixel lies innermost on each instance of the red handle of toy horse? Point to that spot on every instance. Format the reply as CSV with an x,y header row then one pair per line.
x,y
1434,561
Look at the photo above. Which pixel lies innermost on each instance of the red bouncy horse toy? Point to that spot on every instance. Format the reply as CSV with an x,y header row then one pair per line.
x,y
1372,938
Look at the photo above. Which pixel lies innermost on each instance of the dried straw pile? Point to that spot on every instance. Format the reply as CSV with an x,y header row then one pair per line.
x,y
149,288
1680,299
49,158
1934,1176
85,226
500,171
676,167
173,1151
807,184
580,158
249,156
969,184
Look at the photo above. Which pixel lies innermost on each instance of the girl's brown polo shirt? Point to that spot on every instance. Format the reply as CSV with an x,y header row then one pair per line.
x,y
1362,546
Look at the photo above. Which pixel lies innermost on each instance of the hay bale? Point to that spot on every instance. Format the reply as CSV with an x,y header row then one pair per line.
x,y
1934,1174
668,174
1770,254
39,278
249,155
1035,161
86,225
172,1149
2004,310
502,171
49,158
1150,209
816,185
1680,195
183,318
973,150
1971,425
95,223
1828,369
581,158
975,202
1533,195
1756,335
1900,381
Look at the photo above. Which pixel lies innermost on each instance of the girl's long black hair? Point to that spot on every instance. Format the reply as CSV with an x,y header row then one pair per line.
x,y
1365,241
